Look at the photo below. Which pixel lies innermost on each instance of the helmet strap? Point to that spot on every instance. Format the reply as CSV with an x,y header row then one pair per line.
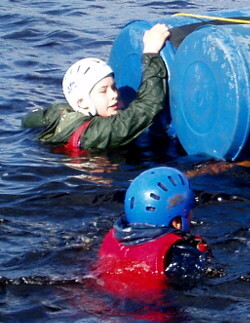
x,y
86,106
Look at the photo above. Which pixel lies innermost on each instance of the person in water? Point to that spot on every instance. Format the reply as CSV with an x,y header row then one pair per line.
x,y
93,116
151,244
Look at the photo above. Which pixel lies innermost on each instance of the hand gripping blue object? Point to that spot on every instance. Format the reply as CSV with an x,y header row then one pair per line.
x,y
159,195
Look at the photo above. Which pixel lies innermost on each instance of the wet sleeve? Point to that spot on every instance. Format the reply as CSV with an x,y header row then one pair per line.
x,y
35,118
42,117
190,260
186,262
130,123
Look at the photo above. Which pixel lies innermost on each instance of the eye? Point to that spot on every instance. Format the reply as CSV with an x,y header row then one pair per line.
x,y
113,87
103,90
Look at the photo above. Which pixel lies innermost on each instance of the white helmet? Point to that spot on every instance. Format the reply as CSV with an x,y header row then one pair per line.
x,y
79,80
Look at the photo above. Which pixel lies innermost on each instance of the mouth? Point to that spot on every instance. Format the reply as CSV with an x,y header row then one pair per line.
x,y
114,106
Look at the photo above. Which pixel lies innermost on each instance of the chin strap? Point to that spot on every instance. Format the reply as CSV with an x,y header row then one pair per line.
x,y
91,111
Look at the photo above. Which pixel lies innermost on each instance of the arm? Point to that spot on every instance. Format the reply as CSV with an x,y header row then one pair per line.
x,y
189,260
34,119
150,100
43,117
185,260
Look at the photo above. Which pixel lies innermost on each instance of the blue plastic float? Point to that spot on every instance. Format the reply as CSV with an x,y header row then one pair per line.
x,y
210,91
208,64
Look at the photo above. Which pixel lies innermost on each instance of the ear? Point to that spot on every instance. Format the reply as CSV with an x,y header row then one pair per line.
x,y
176,223
81,103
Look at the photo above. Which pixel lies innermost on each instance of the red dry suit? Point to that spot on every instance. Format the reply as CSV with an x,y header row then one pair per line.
x,y
132,263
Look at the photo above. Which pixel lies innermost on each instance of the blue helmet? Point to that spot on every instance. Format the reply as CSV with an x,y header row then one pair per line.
x,y
159,195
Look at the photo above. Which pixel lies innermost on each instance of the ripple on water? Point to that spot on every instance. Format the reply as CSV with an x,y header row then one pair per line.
x,y
56,209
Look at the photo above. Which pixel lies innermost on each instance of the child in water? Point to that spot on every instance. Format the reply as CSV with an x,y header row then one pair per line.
x,y
93,117
151,244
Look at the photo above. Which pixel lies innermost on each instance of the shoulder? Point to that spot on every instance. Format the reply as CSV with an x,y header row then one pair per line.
x,y
40,117
59,107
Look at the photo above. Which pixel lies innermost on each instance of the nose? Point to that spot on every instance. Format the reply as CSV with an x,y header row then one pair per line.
x,y
113,93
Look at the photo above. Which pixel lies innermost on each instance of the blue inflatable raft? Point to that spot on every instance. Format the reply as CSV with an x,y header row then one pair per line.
x,y
208,64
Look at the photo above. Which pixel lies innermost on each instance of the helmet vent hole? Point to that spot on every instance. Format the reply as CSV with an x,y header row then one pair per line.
x,y
132,203
171,179
87,70
182,180
150,208
154,196
162,186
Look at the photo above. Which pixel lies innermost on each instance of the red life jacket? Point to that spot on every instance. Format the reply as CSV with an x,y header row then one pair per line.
x,y
74,139
152,254
72,147
134,271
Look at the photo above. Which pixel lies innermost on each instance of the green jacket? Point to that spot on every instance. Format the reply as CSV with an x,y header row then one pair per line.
x,y
60,120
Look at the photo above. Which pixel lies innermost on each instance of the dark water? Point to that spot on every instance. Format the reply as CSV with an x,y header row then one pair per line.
x,y
55,209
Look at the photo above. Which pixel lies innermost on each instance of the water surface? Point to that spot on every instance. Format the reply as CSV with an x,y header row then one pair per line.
x,y
55,209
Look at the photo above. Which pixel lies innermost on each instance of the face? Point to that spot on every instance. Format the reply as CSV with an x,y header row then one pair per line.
x,y
104,95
